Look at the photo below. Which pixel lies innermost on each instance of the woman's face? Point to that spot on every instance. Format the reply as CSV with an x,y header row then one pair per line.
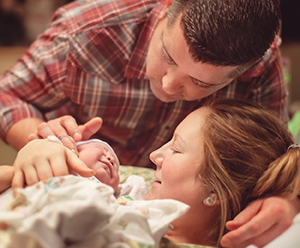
x,y
100,158
179,163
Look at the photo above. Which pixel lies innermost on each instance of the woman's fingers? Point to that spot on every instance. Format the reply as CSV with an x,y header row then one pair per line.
x,y
77,165
18,181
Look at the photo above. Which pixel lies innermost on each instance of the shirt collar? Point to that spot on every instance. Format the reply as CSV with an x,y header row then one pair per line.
x,y
259,67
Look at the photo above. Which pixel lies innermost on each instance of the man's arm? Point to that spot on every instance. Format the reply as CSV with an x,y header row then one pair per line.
x,y
18,134
261,222
34,86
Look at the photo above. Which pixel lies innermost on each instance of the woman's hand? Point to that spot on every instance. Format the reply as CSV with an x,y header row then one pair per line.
x,y
6,176
67,125
42,159
260,222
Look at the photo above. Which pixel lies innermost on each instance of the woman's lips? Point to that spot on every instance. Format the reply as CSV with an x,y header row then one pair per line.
x,y
156,182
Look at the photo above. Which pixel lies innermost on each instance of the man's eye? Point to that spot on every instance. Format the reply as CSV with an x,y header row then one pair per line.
x,y
166,57
199,84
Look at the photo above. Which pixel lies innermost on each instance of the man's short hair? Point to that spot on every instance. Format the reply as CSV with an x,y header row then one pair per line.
x,y
227,32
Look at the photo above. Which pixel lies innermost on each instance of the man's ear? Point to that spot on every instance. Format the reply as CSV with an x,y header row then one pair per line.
x,y
162,14
212,200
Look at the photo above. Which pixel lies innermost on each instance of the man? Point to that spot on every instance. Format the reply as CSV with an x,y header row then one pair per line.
x,y
91,62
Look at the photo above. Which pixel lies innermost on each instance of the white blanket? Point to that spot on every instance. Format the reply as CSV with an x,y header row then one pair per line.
x,y
75,212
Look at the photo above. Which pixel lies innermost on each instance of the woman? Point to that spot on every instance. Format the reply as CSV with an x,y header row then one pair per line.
x,y
221,157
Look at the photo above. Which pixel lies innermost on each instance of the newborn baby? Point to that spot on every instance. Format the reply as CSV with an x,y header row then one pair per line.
x,y
95,154
100,157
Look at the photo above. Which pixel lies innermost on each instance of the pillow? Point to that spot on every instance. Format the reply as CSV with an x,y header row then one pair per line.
x,y
148,174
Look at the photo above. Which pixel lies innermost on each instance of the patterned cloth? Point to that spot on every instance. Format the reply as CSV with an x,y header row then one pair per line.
x,y
60,213
91,62
127,173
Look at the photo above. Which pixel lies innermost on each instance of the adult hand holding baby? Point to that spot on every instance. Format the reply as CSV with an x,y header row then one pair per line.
x,y
53,160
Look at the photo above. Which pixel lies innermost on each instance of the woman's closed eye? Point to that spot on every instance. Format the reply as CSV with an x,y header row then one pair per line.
x,y
174,150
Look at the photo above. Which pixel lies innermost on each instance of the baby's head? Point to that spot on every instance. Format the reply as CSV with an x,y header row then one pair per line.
x,y
100,157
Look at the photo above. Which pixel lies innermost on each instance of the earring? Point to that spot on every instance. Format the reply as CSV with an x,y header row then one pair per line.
x,y
209,201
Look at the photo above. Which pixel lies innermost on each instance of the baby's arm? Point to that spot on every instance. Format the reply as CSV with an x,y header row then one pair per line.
x,y
6,176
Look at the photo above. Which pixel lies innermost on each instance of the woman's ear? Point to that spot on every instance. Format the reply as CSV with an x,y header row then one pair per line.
x,y
212,200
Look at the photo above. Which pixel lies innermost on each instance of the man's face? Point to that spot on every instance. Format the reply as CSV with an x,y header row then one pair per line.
x,y
173,73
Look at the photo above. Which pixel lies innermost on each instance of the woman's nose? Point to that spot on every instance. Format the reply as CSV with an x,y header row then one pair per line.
x,y
157,158
172,83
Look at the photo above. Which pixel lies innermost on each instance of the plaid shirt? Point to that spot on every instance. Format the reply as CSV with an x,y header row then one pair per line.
x,y
91,62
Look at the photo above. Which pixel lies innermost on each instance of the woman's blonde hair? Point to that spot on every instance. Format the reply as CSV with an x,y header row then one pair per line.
x,y
246,157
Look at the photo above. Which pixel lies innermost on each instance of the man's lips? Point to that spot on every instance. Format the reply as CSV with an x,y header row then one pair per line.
x,y
161,90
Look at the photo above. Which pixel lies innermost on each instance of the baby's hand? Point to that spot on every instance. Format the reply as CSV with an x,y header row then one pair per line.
x,y
42,159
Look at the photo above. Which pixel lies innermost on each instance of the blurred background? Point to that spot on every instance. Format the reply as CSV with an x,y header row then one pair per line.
x,y
21,21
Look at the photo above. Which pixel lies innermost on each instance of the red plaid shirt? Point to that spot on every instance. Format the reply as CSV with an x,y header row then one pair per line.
x,y
91,62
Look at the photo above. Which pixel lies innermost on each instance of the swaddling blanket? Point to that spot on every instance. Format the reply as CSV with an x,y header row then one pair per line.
x,y
71,211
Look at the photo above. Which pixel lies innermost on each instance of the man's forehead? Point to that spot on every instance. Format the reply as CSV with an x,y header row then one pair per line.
x,y
201,70
231,73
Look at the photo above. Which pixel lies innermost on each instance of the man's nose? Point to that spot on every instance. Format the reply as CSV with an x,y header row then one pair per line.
x,y
172,83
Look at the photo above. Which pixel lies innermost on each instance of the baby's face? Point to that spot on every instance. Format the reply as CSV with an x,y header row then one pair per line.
x,y
100,158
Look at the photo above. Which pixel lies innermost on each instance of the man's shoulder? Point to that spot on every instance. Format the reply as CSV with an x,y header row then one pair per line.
x,y
80,16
